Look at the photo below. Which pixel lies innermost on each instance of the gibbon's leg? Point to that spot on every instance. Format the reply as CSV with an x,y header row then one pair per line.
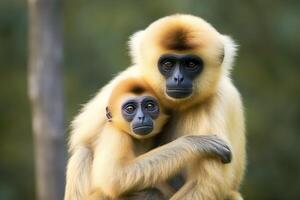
x,y
78,174
209,180
205,186
208,186
150,168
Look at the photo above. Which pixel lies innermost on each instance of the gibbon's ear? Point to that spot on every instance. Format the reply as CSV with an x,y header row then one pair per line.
x,y
108,114
230,49
135,45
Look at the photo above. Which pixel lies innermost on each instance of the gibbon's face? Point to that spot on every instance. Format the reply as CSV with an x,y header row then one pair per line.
x,y
180,57
141,112
179,71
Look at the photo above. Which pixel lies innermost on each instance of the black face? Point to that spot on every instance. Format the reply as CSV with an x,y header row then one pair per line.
x,y
180,71
141,112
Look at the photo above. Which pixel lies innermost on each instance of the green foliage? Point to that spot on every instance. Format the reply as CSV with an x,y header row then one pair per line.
x,y
96,33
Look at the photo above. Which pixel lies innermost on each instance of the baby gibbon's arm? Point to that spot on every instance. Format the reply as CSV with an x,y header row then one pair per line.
x,y
116,170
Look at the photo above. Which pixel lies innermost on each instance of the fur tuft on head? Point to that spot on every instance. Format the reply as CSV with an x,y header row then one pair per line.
x,y
135,46
230,50
178,38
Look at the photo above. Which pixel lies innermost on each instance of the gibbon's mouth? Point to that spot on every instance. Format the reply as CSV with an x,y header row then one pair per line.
x,y
142,130
179,93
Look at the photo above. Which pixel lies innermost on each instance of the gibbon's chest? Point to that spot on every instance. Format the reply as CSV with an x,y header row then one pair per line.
x,y
188,122
142,146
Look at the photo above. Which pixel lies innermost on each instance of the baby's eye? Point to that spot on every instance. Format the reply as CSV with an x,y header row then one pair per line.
x,y
150,107
130,109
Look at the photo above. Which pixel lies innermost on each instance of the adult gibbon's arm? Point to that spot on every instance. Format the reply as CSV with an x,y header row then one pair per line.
x,y
115,174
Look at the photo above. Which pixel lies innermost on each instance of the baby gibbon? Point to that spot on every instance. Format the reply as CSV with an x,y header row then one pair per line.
x,y
122,163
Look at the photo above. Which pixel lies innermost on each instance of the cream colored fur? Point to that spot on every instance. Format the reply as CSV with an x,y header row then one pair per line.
x,y
85,130
215,108
116,170
114,163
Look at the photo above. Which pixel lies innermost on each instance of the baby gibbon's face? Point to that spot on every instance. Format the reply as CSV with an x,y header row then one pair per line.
x,y
141,112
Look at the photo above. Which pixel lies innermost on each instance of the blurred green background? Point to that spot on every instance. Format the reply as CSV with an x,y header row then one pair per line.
x,y
267,73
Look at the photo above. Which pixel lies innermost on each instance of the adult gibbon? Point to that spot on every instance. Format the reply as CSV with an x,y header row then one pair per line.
x,y
187,63
121,163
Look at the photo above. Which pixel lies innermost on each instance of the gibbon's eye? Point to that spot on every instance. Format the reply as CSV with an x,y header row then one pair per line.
x,y
150,106
191,65
167,65
130,109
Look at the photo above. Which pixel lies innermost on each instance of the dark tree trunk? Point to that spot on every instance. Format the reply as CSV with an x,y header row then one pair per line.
x,y
46,96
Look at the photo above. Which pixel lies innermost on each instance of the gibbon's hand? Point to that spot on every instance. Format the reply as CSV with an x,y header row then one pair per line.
x,y
211,144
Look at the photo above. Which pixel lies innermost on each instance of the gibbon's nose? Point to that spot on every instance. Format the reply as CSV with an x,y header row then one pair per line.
x,y
178,76
141,118
178,79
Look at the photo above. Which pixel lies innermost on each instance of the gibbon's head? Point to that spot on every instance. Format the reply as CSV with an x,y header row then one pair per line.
x,y
183,58
134,109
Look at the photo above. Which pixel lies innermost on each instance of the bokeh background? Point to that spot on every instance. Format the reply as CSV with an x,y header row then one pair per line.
x,y
267,73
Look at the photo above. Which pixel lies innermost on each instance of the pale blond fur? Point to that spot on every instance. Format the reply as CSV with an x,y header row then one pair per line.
x,y
85,129
214,108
